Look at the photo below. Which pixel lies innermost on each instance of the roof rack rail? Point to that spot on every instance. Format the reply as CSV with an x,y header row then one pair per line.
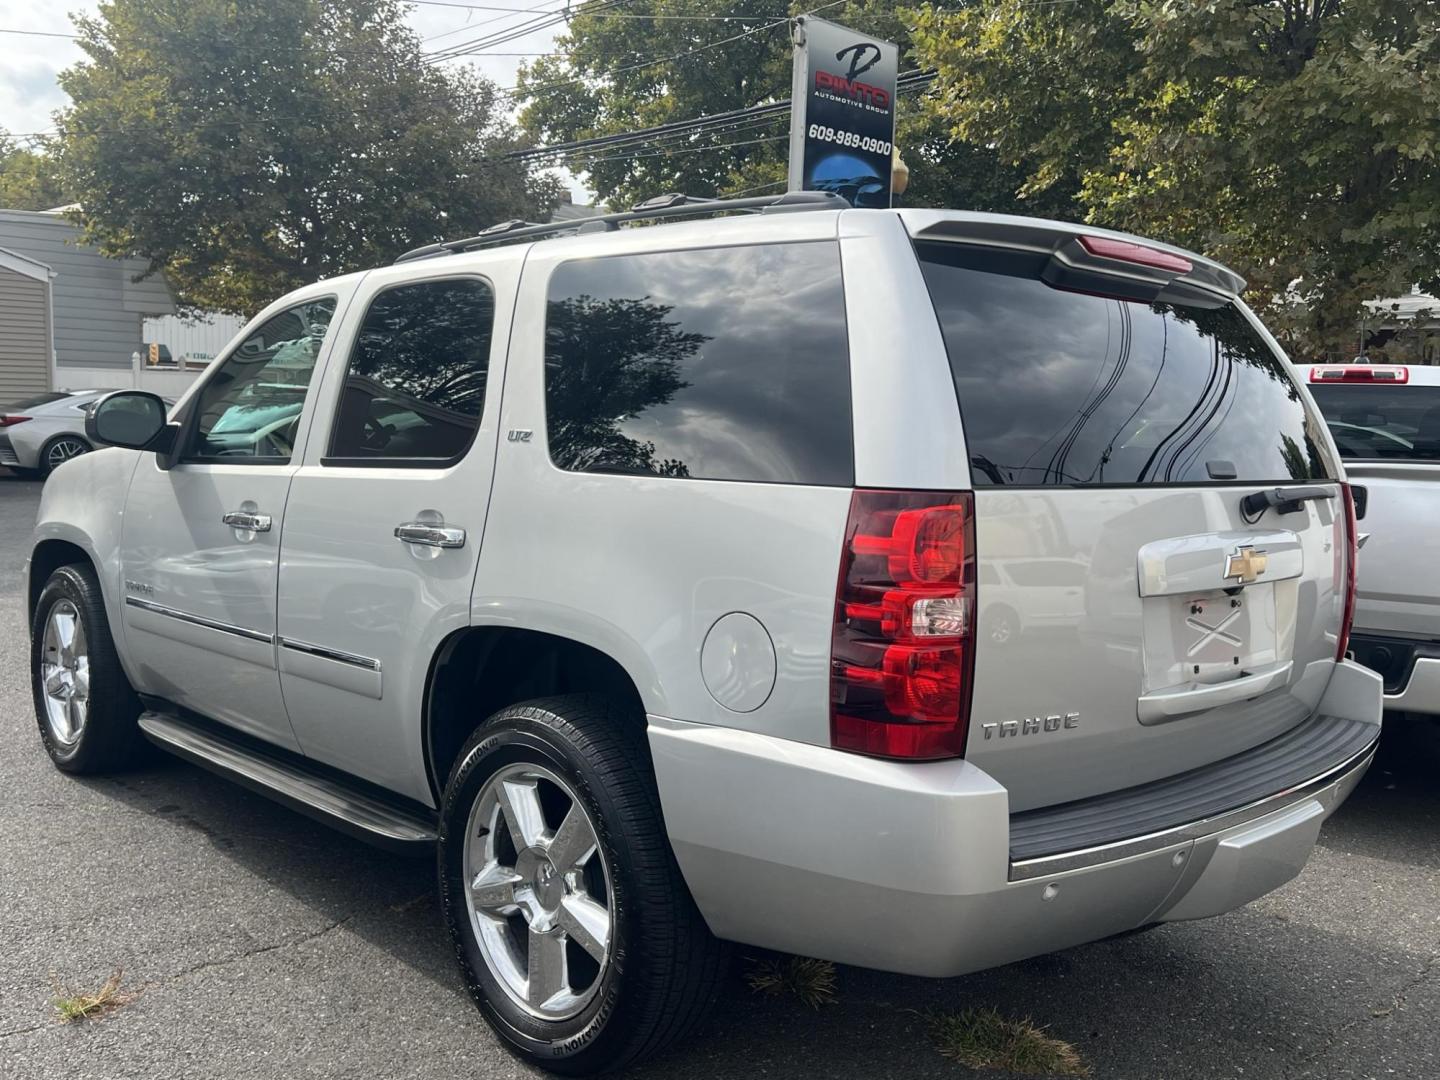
x,y
675,204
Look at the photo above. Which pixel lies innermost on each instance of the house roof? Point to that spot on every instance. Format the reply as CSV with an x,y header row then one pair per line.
x,y
23,264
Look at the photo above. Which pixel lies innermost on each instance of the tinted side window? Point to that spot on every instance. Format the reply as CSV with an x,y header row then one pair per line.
x,y
1062,388
1382,423
720,364
250,408
415,386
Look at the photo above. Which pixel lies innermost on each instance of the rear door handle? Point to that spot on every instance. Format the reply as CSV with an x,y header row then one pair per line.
x,y
427,534
243,519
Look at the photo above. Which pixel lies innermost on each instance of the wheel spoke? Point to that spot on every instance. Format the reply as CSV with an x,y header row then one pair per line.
x,y
547,975
587,923
74,714
520,799
82,680
65,635
55,685
573,841
494,888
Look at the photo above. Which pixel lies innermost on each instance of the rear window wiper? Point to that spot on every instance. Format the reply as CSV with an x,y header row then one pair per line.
x,y
1284,500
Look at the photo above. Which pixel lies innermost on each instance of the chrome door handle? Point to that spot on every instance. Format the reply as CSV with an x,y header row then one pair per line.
x,y
243,519
430,535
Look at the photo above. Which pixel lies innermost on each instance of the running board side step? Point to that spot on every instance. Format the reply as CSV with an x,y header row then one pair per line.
x,y
326,799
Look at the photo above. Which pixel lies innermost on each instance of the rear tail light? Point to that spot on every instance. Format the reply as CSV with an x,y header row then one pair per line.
x,y
1388,373
6,421
901,650
1350,545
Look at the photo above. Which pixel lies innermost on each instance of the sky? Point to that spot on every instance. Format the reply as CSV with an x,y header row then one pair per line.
x,y
30,92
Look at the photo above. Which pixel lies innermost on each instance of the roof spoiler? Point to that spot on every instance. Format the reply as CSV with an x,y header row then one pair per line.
x,y
1094,260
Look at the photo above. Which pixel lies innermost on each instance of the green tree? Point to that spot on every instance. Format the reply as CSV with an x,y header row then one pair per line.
x,y
1294,140
28,177
605,82
245,149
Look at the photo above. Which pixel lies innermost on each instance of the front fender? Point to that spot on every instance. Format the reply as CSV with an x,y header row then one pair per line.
x,y
83,504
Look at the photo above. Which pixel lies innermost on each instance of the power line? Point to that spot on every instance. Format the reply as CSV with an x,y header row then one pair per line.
x,y
40,33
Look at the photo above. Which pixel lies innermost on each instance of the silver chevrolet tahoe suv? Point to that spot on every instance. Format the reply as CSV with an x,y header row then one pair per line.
x,y
917,590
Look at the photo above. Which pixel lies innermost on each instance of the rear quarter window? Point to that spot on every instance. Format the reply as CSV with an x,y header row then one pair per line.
x,y
715,364
1376,422
1062,388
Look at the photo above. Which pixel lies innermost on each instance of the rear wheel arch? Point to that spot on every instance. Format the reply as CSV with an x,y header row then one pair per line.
x,y
478,671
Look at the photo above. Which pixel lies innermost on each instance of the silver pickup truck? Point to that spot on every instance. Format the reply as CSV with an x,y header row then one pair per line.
x,y
1385,420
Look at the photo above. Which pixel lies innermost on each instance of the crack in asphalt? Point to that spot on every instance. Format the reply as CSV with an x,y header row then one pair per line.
x,y
1397,999
205,966
248,954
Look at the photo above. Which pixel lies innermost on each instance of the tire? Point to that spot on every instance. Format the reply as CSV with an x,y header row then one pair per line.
x,y
106,737
660,968
61,449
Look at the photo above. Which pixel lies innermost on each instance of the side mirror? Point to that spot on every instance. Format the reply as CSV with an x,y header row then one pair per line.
x,y
130,418
1361,495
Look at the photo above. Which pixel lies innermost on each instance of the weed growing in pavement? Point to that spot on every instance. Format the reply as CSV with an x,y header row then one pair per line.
x,y
812,981
72,1007
983,1039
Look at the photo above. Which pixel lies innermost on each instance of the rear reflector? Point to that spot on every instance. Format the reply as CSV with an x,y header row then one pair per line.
x,y
1124,251
1387,373
6,421
1350,545
901,650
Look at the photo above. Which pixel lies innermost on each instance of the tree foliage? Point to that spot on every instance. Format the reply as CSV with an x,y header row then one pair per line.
x,y
29,178
607,80
245,149
1294,140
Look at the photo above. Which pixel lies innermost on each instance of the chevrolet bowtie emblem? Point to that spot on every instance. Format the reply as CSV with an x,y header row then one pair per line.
x,y
1246,564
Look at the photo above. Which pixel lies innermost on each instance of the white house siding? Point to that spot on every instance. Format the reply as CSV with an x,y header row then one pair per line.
x,y
24,336
97,306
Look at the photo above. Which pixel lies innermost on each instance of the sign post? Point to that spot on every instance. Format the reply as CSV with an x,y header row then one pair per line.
x,y
842,112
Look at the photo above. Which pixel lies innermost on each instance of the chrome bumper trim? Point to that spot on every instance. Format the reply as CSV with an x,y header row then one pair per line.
x,y
366,662
1065,861
199,620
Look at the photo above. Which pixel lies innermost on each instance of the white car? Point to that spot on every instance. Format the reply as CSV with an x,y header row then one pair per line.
x,y
640,578
41,433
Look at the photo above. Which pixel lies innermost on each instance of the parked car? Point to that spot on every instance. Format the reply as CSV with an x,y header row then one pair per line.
x,y
1385,420
41,433
638,577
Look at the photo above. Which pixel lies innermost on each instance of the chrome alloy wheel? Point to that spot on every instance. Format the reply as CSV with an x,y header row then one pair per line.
x,y
538,895
62,450
65,672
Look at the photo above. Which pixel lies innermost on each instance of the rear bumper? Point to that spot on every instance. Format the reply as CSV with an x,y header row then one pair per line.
x,y
909,867
1410,668
8,456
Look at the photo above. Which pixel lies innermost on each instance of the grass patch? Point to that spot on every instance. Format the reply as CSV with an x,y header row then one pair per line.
x,y
812,981
72,1007
983,1039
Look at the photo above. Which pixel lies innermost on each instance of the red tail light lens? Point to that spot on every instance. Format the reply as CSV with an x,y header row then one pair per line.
x,y
901,650
6,421
1124,251
1350,545
1392,373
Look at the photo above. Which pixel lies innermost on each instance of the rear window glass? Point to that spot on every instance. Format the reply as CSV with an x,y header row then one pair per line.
x,y
1061,388
1382,423
719,364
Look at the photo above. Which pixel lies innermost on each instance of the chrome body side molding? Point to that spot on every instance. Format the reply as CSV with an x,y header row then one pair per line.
x,y
199,620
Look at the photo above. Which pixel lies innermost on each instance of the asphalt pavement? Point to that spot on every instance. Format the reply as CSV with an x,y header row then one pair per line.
x,y
262,944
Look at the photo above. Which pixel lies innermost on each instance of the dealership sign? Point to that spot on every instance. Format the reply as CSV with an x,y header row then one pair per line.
x,y
842,119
